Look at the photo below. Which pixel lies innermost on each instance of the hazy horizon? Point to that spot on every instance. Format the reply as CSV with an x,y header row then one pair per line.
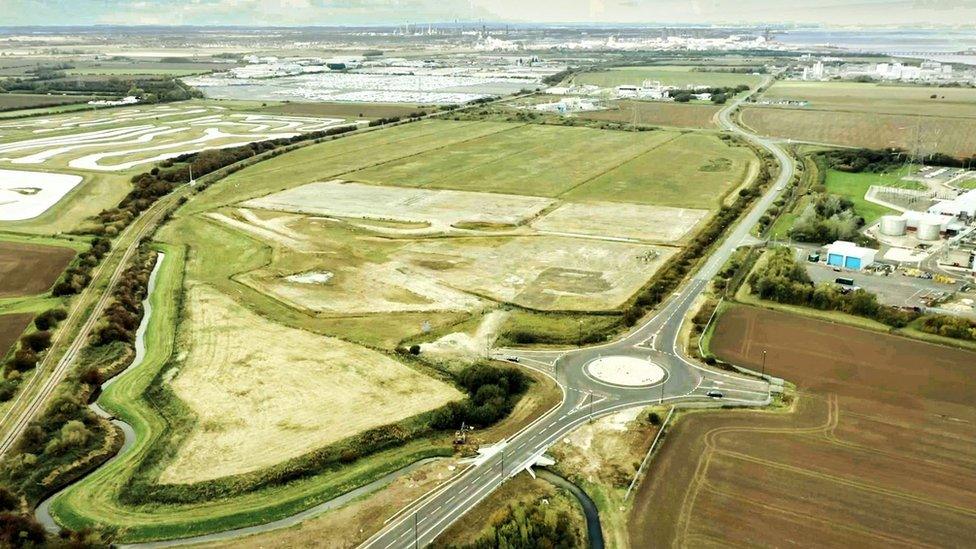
x,y
259,13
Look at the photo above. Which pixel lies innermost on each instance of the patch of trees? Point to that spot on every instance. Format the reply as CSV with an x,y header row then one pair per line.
x,y
394,119
492,393
555,79
148,90
527,526
29,351
878,161
123,315
724,92
828,218
949,326
760,69
783,280
78,275
65,433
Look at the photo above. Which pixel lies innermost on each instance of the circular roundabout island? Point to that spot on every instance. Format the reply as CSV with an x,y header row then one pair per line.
x,y
625,371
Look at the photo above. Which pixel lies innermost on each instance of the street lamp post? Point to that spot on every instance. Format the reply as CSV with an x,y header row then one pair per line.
x,y
416,539
579,338
764,364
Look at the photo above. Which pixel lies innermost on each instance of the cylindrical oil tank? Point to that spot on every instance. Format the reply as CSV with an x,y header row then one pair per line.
x,y
928,230
893,225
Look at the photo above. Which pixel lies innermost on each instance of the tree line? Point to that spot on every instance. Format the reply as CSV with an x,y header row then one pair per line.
x,y
529,525
884,160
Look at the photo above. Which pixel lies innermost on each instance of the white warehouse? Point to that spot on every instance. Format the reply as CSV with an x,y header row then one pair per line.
x,y
962,206
849,255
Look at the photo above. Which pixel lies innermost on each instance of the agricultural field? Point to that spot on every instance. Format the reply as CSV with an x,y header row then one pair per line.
x,y
57,171
260,403
657,113
16,101
691,171
528,159
29,269
11,326
667,75
872,116
875,450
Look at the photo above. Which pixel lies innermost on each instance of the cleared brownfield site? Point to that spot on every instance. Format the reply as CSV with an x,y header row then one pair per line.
x,y
11,326
28,269
876,451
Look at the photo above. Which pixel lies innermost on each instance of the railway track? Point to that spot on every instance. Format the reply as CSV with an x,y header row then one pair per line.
x,y
92,302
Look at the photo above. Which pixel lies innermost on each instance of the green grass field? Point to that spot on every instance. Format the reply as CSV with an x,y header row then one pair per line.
x,y
855,185
668,75
533,159
333,159
691,171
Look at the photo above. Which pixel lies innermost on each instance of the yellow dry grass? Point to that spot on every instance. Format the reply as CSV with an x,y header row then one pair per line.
x,y
264,393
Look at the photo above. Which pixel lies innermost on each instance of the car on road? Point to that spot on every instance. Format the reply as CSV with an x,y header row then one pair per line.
x,y
715,394
512,358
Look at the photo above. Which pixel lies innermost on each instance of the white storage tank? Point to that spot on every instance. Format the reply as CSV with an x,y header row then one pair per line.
x,y
893,225
928,230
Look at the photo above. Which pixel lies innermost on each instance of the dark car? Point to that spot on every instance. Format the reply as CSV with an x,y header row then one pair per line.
x,y
714,394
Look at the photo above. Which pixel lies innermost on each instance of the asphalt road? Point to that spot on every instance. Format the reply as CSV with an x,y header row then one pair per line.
x,y
586,397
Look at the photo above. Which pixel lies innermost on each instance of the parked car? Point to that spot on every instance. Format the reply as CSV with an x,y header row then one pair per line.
x,y
714,394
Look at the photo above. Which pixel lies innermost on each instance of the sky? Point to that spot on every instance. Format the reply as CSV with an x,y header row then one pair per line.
x,y
359,12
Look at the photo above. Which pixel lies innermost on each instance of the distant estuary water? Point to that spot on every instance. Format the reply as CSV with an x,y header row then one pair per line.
x,y
939,44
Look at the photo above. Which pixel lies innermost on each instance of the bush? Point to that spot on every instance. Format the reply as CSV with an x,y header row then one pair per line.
x,y
20,531
8,500
654,418
37,341
415,349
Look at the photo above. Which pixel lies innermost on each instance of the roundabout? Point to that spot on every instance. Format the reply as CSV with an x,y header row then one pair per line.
x,y
624,371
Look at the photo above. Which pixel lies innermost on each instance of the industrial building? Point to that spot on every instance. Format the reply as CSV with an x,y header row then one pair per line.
x,y
961,207
849,255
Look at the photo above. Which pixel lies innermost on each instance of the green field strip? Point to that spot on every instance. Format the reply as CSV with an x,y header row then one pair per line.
x,y
611,168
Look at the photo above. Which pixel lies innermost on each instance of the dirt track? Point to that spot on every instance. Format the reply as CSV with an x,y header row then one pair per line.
x,y
28,269
875,453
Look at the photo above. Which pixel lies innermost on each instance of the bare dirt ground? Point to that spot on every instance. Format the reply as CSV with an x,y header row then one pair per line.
x,y
544,272
28,269
468,346
264,393
442,209
876,452
659,224
11,326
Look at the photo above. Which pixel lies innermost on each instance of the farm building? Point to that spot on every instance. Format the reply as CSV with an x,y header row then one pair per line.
x,y
849,255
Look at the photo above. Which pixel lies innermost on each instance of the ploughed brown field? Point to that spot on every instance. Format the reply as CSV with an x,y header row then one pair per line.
x,y
11,326
879,449
28,269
